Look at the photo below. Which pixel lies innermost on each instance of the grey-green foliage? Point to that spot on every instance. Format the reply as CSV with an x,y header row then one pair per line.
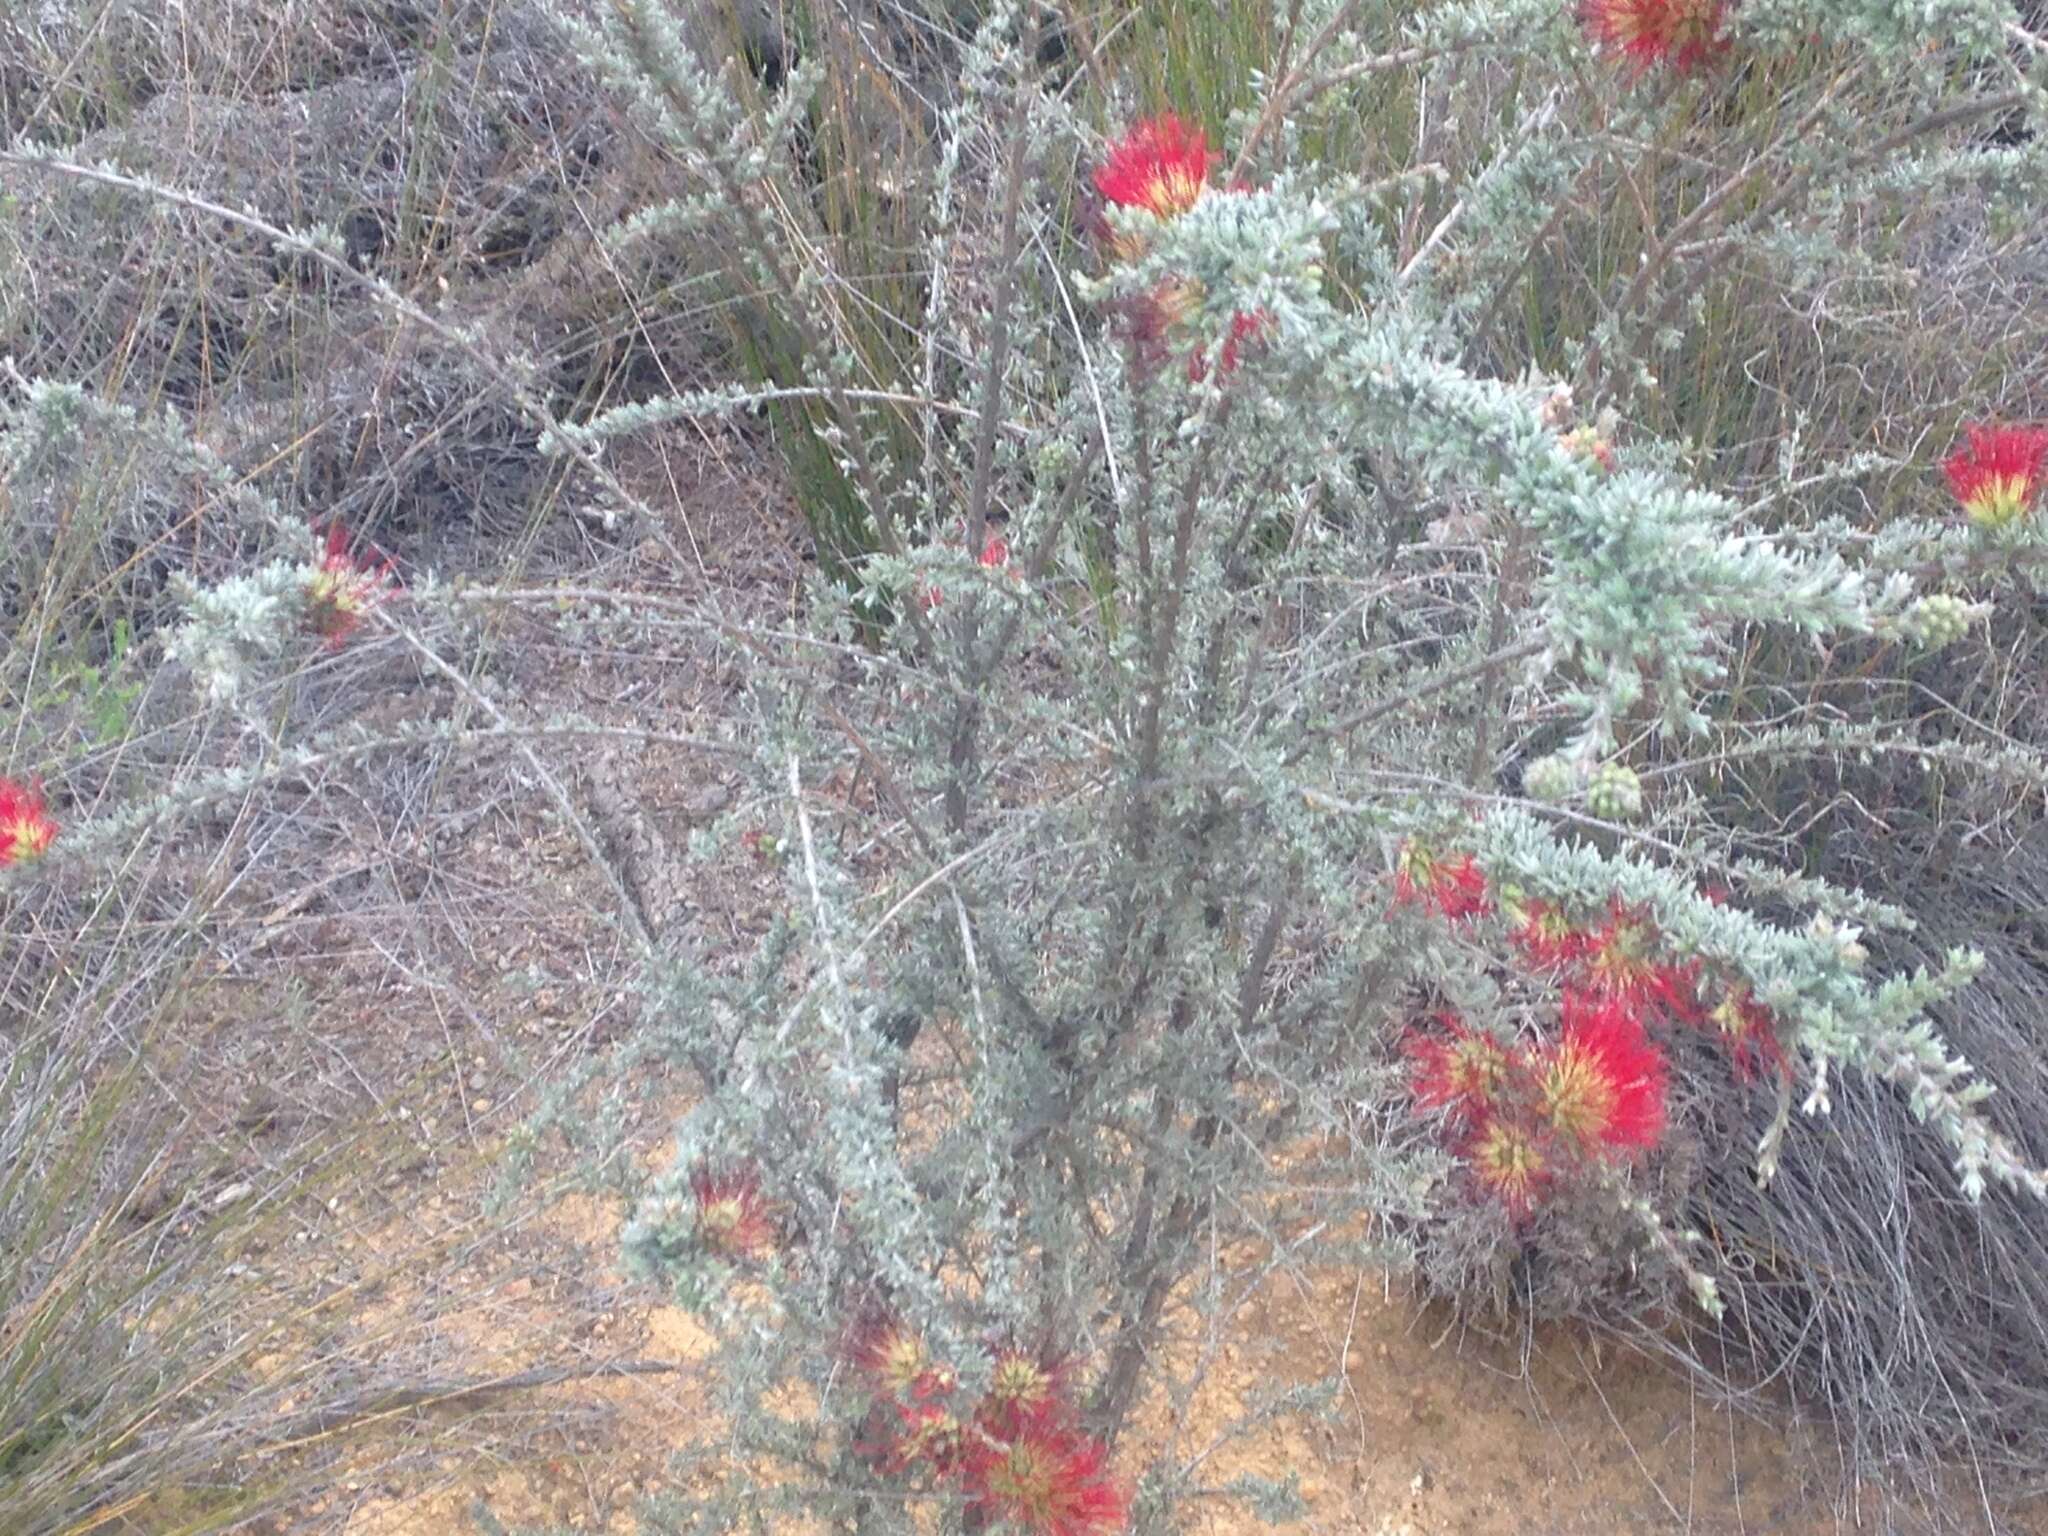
x,y
90,520
1115,1008
1120,1000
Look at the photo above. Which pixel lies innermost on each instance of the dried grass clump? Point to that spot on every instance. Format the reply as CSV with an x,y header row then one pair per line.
x,y
1859,1281
97,517
1864,1282
72,67
443,170
455,178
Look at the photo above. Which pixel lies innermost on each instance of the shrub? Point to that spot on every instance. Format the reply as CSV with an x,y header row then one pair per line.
x,y
1202,800
1252,778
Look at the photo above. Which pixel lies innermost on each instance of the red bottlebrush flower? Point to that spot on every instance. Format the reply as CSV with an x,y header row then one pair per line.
x,y
1462,1068
928,1435
342,590
1546,937
995,555
1998,476
1511,1163
763,845
1021,1387
1621,961
1601,1085
1245,330
1621,957
1455,886
26,830
1047,1480
1751,1033
733,1220
1160,165
1142,324
1676,989
1169,305
1151,318
1684,35
894,1358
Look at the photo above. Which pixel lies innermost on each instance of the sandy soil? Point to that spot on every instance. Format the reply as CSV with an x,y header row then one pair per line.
x,y
1439,1432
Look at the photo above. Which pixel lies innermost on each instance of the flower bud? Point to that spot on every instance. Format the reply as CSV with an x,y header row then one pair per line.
x,y
1939,619
1615,793
1549,779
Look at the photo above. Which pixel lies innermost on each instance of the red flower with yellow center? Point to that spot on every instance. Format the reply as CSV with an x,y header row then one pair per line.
x,y
994,556
1622,960
1601,1085
1020,1387
1998,475
929,1435
733,1220
1160,165
1509,1161
1047,1481
26,830
1464,1068
342,590
895,1359
1151,318
1545,936
1587,443
1454,885
1676,987
1621,957
1751,1033
1246,330
1684,35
